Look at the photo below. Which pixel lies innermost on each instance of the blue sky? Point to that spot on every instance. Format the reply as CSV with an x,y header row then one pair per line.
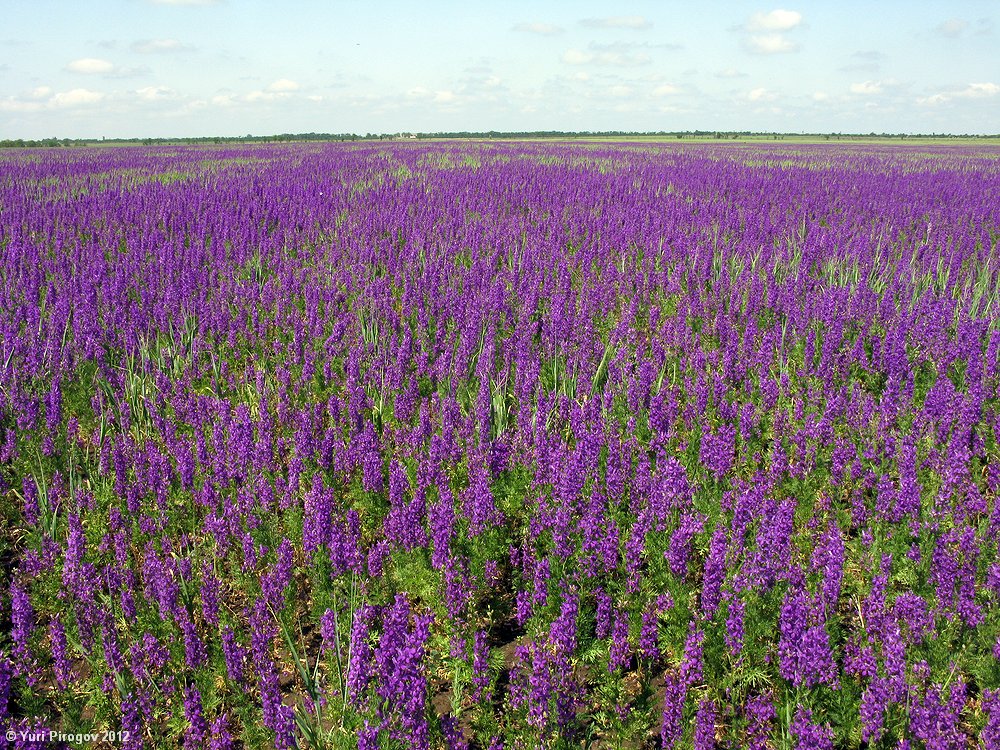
x,y
136,68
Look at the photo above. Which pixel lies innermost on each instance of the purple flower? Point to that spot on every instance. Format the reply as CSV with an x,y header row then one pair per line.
x,y
604,607
328,628
317,519
874,704
715,573
32,511
935,716
274,583
377,556
807,734
760,715
6,682
804,647
368,737
990,736
675,695
452,732
148,661
953,573
680,543
371,461
771,561
263,631
400,670
704,726
649,632
360,668
828,561
210,596
221,738
692,663
132,723
195,652
276,716
562,632
198,730
480,667
541,688
441,520
22,616
620,651
734,625
478,503
718,450
61,663
234,655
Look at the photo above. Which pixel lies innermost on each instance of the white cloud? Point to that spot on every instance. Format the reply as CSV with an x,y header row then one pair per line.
x,y
157,46
820,96
75,98
761,94
972,91
667,89
545,29
261,96
12,104
765,33
730,73
614,55
770,44
867,88
275,91
617,22
979,90
775,20
193,106
184,2
42,98
133,72
90,65
423,94
576,57
952,28
934,100
154,93
283,85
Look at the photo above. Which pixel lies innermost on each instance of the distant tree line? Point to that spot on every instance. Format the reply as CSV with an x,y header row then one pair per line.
x,y
278,138
470,135
43,143
702,134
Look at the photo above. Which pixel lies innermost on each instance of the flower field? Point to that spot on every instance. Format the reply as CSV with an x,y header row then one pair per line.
x,y
494,445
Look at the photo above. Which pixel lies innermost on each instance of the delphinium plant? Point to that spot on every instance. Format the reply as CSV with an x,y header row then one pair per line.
x,y
500,446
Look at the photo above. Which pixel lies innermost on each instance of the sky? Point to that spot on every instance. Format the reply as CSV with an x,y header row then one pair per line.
x,y
178,68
